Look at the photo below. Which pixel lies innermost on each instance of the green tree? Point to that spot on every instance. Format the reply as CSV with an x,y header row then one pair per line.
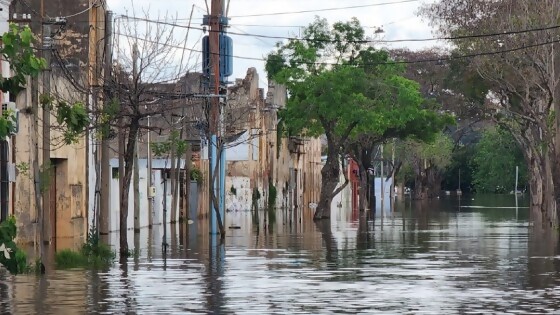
x,y
515,74
343,89
497,155
425,163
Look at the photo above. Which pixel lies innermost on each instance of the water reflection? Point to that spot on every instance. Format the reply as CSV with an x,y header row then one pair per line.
x,y
433,257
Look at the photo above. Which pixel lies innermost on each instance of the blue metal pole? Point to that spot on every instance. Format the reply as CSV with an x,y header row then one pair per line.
x,y
213,161
223,167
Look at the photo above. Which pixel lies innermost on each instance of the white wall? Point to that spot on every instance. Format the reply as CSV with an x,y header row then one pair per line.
x,y
4,16
157,181
242,200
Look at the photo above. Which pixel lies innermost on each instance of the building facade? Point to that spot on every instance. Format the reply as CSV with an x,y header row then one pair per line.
x,y
64,188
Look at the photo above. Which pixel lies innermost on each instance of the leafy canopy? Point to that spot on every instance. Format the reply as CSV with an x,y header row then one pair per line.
x,y
496,156
342,88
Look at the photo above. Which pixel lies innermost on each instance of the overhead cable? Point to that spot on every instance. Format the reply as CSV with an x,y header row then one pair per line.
x,y
483,35
450,58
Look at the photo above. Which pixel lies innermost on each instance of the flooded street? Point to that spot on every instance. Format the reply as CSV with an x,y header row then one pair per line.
x,y
441,257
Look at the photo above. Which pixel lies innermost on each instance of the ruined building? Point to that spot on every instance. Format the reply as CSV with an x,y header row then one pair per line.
x,y
74,28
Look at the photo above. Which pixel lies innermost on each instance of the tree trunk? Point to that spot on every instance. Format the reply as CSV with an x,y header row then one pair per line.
x,y
364,190
420,191
420,182
544,178
128,162
434,179
330,175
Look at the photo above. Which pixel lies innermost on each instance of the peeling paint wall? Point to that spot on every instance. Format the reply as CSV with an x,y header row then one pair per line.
x,y
68,175
260,156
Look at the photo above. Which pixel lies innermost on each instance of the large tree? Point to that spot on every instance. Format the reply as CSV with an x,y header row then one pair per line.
x,y
426,163
516,68
342,88
496,157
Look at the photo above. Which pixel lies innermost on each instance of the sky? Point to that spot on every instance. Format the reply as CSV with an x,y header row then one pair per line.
x,y
397,20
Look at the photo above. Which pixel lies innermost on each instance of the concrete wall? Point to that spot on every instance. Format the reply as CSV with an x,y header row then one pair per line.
x,y
69,176
158,167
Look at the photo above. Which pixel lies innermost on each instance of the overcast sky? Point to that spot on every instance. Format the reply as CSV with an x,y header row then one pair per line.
x,y
398,20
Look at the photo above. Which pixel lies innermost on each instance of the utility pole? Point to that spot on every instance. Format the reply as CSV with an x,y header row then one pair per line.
x,y
215,29
105,191
217,65
136,175
46,162
149,176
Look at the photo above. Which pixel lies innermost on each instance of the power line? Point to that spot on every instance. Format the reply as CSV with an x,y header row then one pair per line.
x,y
504,33
326,9
311,10
81,12
450,58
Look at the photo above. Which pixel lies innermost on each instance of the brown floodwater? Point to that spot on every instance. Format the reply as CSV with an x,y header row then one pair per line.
x,y
447,256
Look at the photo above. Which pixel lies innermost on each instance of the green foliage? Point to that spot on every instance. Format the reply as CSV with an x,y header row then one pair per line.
x,y
11,257
67,259
108,114
196,175
93,254
8,122
17,50
437,153
23,168
461,162
363,93
497,154
164,148
272,195
74,118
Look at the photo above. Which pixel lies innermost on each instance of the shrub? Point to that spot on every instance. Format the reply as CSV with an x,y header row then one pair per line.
x,y
196,175
11,257
93,254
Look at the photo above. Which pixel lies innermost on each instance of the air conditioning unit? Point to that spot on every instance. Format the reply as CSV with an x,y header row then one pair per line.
x,y
11,107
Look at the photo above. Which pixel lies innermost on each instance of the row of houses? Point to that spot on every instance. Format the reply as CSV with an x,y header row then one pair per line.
x,y
258,156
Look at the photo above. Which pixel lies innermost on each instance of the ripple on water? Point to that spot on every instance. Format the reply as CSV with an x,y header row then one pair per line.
x,y
440,264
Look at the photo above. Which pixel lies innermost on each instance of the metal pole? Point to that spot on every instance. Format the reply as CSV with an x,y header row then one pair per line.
x,y
105,191
382,181
136,183
149,176
164,240
213,159
516,178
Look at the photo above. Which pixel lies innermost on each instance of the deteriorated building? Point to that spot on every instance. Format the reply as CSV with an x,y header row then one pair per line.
x,y
74,28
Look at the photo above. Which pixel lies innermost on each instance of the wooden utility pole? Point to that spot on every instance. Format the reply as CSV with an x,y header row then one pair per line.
x,y
105,191
214,37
